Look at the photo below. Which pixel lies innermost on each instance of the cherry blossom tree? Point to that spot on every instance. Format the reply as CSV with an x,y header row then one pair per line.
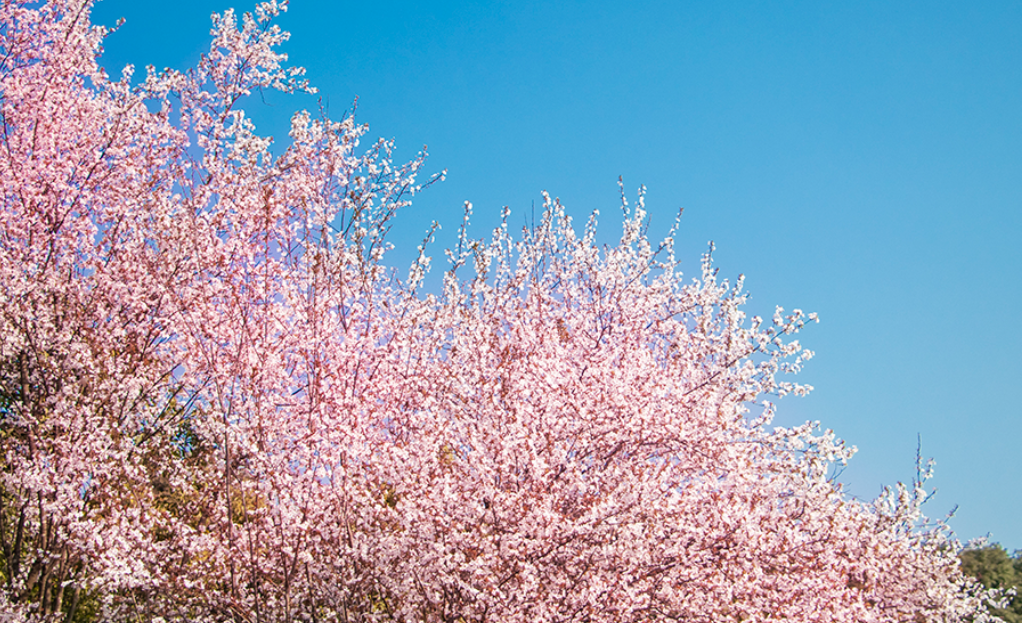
x,y
217,402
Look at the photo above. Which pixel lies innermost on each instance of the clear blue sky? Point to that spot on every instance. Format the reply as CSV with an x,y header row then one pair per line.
x,y
858,159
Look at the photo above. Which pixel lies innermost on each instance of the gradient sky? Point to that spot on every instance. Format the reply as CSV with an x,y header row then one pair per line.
x,y
861,160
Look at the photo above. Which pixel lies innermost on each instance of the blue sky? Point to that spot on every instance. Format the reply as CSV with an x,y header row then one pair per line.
x,y
861,160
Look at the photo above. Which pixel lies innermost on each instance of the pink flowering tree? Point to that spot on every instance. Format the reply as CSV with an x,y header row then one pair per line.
x,y
218,403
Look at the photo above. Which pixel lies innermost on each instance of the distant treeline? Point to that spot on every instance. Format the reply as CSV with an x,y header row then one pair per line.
x,y
995,568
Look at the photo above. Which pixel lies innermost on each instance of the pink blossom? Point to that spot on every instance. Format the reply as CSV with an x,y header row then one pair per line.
x,y
217,402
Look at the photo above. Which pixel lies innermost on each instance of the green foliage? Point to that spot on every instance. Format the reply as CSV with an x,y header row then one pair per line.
x,y
88,609
994,568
